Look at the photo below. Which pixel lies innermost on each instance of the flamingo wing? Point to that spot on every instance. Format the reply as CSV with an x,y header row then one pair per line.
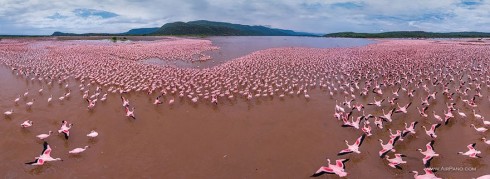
x,y
46,149
345,151
341,163
321,171
360,140
430,145
428,171
383,152
66,133
36,162
427,160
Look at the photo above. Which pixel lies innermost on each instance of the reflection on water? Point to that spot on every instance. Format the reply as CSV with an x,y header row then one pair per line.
x,y
237,46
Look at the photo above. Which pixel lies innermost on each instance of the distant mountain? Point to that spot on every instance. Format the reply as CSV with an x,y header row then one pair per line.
x,y
410,34
201,27
141,31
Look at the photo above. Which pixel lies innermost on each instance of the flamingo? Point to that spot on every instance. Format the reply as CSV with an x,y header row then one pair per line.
x,y
91,103
477,116
485,140
50,98
157,100
432,131
379,122
422,112
171,101
44,157
26,124
463,115
429,174
8,113
17,100
30,103
388,115
409,129
483,177
448,115
93,134
403,109
354,147
395,135
338,169
392,101
479,129
65,128
396,161
354,124
78,150
377,103
387,147
44,136
125,102
472,152
367,128
437,116
429,153
130,113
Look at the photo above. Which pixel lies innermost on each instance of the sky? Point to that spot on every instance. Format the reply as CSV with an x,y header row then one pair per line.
x,y
43,17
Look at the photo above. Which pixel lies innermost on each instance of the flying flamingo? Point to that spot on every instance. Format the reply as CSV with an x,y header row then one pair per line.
x,y
409,129
432,131
125,102
387,147
396,161
429,153
338,168
157,100
130,113
65,128
472,152
403,109
354,147
429,174
44,157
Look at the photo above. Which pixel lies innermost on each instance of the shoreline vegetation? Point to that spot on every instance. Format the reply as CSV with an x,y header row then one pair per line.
x,y
410,34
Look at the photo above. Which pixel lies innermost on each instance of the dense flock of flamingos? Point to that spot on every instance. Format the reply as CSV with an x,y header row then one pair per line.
x,y
394,77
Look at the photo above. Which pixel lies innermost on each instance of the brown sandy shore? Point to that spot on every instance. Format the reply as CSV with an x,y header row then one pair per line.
x,y
266,138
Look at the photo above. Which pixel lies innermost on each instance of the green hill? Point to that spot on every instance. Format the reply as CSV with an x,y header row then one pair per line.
x,y
203,27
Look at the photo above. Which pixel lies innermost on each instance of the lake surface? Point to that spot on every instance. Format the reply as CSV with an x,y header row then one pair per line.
x,y
237,46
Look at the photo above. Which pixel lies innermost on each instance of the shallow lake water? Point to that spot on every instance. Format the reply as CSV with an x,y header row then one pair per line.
x,y
236,46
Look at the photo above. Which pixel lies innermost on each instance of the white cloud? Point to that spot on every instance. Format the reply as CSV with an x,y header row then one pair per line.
x,y
319,16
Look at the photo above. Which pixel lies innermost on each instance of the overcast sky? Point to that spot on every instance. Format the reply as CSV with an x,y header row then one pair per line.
x,y
42,17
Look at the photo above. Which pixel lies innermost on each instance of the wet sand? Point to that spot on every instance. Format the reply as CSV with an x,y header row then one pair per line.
x,y
266,138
